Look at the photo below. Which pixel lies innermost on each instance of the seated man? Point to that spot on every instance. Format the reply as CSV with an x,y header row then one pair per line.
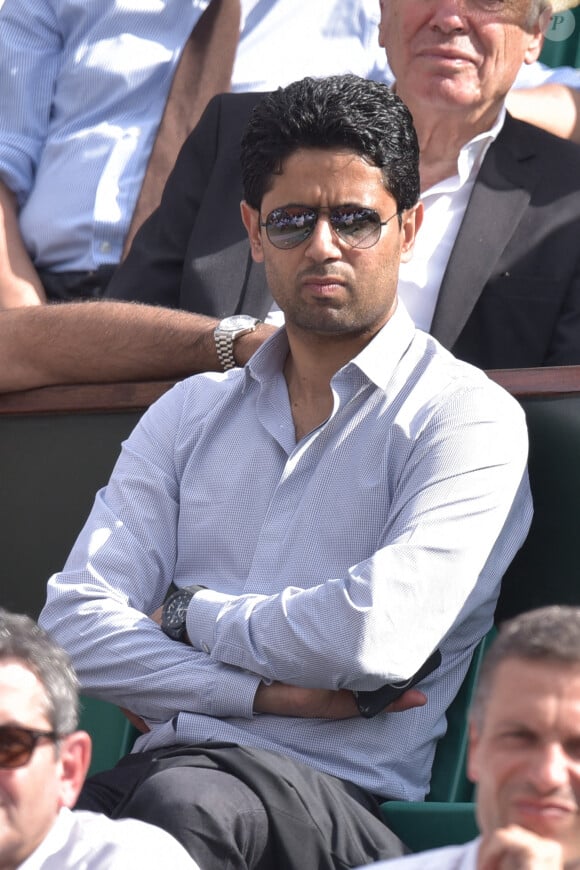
x,y
331,514
43,762
524,738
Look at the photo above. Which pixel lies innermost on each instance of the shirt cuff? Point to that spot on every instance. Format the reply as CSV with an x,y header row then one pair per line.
x,y
202,615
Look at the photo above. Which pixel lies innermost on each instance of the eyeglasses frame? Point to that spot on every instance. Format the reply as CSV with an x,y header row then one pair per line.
x,y
318,209
36,735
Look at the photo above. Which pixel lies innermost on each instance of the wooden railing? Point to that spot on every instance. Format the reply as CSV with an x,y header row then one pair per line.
x,y
118,397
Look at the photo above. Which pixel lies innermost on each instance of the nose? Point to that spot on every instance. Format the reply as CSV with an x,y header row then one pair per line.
x,y
449,16
324,242
550,767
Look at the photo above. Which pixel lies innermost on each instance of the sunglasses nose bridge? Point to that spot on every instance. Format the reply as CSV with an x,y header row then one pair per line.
x,y
323,235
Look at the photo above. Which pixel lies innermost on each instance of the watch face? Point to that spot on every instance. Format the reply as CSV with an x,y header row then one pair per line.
x,y
175,611
238,321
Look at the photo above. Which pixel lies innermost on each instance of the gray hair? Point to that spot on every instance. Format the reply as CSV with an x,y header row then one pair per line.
x,y
548,635
22,639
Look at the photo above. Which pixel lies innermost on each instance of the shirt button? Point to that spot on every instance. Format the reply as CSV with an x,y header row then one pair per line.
x,y
205,647
105,247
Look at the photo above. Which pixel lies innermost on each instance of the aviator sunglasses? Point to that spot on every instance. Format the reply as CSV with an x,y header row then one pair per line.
x,y
18,743
290,225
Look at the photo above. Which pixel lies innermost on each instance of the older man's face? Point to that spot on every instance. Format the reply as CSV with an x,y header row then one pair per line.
x,y
525,753
457,54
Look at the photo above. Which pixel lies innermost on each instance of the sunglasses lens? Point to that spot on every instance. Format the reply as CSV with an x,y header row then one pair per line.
x,y
16,746
289,227
359,227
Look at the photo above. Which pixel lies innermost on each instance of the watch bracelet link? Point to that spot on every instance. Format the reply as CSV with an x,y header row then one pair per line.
x,y
225,351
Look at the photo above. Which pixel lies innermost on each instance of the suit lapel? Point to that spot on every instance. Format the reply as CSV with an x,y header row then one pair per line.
x,y
500,195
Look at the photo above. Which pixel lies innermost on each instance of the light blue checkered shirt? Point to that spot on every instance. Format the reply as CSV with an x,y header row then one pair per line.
x,y
340,561
83,86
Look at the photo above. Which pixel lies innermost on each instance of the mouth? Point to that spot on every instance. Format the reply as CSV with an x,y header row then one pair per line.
x,y
448,55
327,286
537,814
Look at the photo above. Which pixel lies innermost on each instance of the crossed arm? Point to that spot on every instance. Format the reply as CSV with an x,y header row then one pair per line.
x,y
125,560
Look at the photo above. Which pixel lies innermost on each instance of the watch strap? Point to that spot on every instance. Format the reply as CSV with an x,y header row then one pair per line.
x,y
226,333
224,345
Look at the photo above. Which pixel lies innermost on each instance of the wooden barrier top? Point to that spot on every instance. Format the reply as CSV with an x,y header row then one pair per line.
x,y
124,397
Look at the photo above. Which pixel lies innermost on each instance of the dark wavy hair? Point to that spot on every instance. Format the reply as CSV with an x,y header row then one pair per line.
x,y
345,112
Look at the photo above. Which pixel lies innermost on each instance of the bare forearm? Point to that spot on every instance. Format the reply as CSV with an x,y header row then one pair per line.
x,y
19,281
279,699
106,341
555,108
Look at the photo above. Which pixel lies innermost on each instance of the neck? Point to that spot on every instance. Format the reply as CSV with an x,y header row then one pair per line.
x,y
442,135
312,362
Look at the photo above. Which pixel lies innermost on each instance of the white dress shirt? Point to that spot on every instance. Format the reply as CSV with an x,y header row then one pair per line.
x,y
90,841
445,204
83,88
284,40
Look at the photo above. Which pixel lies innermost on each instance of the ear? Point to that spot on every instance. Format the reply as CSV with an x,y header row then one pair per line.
x,y
410,224
74,760
473,760
536,38
251,221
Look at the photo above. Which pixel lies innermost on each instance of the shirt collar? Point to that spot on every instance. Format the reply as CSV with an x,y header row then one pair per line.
x,y
469,160
54,841
376,361
472,153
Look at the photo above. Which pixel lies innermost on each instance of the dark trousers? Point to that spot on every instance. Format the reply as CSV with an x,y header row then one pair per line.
x,y
235,807
73,286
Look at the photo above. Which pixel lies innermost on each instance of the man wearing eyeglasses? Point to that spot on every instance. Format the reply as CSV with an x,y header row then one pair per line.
x,y
43,762
331,515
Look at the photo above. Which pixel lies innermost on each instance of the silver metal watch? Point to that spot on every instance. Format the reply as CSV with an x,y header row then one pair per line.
x,y
226,333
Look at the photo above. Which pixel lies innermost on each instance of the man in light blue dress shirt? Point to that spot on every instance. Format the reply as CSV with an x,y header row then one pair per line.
x,y
83,91
330,514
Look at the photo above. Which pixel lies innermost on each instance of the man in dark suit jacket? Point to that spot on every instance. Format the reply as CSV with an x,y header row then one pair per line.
x,y
510,295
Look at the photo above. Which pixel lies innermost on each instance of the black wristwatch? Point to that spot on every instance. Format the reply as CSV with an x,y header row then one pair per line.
x,y
174,612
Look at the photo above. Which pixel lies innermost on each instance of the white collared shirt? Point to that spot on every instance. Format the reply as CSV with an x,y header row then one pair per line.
x,y
445,204
91,841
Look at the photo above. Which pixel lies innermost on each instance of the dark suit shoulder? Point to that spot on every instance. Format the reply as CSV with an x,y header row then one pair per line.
x,y
527,141
537,139
233,110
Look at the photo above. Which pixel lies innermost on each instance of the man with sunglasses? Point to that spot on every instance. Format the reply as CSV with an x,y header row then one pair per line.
x,y
331,515
43,762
